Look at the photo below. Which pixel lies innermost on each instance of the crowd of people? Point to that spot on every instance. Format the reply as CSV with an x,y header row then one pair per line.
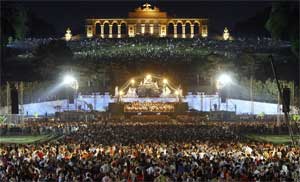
x,y
123,150
163,49
148,107
29,44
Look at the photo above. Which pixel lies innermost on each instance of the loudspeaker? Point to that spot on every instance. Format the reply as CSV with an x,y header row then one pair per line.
x,y
116,108
286,94
223,99
70,94
180,108
223,95
71,99
14,100
215,107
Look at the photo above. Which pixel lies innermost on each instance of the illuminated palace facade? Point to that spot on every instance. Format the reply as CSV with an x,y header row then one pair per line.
x,y
146,21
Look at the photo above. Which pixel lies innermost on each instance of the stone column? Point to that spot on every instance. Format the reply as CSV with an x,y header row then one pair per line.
x,y
151,29
131,30
143,28
102,31
175,30
204,31
89,31
162,30
21,85
8,101
119,31
110,31
192,31
183,31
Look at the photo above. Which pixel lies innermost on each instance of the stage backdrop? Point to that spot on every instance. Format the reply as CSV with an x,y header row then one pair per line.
x,y
101,102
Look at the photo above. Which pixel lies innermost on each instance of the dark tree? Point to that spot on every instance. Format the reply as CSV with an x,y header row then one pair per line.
x,y
38,27
13,22
50,57
56,50
254,26
283,23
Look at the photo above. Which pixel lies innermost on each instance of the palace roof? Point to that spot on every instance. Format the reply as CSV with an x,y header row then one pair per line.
x,y
147,11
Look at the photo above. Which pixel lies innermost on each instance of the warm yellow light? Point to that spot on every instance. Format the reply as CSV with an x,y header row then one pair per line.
x,y
110,31
183,31
89,31
163,29
132,81
226,34
192,31
131,31
119,31
204,31
89,34
121,93
143,28
148,76
151,29
176,92
68,35
165,81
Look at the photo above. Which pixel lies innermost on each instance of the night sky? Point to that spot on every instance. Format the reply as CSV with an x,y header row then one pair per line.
x,y
73,13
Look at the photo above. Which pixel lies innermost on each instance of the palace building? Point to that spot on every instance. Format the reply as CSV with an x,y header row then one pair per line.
x,y
147,20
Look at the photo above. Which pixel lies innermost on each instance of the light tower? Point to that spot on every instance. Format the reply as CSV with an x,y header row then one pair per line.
x,y
70,81
68,35
223,80
226,34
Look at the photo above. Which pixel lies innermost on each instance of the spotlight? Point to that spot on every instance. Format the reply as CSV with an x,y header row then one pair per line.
x,y
132,81
223,80
69,79
149,76
165,81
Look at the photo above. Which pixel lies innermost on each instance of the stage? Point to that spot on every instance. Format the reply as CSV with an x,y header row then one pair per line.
x,y
148,108
149,88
